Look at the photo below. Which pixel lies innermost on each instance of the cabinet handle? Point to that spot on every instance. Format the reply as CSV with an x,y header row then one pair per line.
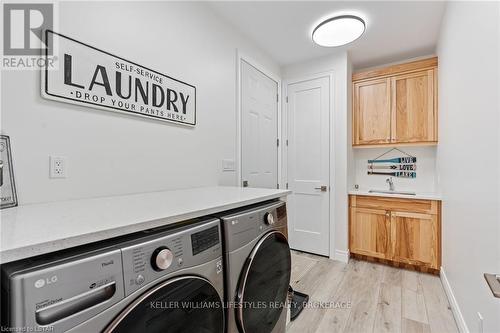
x,y
387,214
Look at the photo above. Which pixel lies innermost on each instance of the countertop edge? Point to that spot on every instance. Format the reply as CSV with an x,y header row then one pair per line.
x,y
24,252
418,196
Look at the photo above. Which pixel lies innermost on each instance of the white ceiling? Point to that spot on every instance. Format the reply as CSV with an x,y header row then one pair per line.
x,y
396,30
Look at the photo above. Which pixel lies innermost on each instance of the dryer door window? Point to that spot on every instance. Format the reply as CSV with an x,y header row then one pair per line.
x,y
183,304
263,286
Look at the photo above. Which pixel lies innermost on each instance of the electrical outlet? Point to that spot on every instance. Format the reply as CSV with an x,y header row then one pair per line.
x,y
58,166
480,321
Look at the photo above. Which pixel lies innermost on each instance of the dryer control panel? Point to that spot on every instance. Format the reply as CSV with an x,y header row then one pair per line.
x,y
150,259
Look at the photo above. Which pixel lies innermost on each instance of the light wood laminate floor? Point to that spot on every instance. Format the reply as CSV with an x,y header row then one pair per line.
x,y
367,297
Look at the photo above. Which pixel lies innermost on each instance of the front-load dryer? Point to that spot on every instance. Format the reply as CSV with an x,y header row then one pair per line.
x,y
154,281
257,268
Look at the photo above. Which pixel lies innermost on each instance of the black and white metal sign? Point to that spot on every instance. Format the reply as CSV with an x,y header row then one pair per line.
x,y
91,77
8,196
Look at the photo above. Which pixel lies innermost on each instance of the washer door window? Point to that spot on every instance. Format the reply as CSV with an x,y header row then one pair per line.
x,y
184,304
263,286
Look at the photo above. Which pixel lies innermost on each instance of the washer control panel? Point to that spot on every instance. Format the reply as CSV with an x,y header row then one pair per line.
x,y
163,253
205,239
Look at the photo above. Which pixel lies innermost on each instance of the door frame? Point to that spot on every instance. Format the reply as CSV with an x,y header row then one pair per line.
x,y
240,56
331,174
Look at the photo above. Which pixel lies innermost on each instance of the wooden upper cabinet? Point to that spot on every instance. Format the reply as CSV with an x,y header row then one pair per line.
x,y
412,104
372,111
396,105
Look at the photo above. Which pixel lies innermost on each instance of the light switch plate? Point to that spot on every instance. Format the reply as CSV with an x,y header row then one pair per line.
x,y
228,165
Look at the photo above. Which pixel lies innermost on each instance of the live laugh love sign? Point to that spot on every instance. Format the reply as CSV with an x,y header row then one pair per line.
x,y
91,77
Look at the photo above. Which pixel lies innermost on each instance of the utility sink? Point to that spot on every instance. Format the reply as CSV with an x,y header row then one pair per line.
x,y
392,192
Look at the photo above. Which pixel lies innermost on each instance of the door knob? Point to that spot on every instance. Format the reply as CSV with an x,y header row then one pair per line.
x,y
323,188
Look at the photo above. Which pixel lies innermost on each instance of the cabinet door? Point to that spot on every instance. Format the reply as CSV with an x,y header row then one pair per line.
x,y
372,112
369,232
414,116
415,238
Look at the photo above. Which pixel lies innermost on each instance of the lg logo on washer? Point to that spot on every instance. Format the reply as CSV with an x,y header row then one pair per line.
x,y
43,282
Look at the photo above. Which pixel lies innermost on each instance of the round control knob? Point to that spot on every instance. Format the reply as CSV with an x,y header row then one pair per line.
x,y
269,218
162,258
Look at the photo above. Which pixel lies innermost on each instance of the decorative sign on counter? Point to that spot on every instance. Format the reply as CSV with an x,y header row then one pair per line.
x,y
7,186
88,76
402,167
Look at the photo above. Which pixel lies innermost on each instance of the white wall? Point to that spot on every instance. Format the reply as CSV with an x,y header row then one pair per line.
x,y
340,66
425,182
109,153
468,155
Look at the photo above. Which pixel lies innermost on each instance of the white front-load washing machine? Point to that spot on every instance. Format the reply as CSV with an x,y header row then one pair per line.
x,y
257,268
153,281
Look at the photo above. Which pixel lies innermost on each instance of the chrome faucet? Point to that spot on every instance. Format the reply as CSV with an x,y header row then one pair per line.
x,y
391,183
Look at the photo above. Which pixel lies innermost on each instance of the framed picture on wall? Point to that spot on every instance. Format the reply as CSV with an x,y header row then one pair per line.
x,y
8,194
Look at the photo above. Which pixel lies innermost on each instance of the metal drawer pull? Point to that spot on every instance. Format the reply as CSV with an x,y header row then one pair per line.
x,y
323,188
494,283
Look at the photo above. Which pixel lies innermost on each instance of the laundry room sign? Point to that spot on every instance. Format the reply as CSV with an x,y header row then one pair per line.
x,y
91,77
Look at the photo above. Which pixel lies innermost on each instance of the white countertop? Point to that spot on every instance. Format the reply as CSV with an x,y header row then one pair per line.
x,y
418,195
30,230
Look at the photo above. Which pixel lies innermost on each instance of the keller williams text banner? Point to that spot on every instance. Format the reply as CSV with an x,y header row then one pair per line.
x,y
91,77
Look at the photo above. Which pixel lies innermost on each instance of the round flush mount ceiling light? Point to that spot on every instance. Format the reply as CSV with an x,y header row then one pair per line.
x,y
338,30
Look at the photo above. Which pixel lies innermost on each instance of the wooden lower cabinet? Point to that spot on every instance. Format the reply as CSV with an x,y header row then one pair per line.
x,y
393,232
414,238
371,228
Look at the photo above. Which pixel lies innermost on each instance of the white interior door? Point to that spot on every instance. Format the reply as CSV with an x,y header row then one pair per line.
x,y
308,165
259,128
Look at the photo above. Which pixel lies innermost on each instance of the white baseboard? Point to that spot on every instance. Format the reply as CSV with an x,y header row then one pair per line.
x,y
462,326
341,255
